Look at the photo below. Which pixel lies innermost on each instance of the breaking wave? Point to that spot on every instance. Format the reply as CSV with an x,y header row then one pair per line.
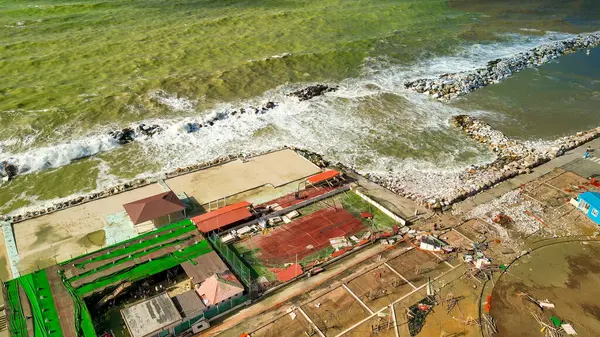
x,y
337,125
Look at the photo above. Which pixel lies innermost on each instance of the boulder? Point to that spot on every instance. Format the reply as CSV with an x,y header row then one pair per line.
x,y
312,91
123,136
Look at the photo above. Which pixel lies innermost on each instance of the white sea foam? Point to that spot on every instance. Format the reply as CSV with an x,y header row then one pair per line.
x,y
38,159
333,125
172,101
471,57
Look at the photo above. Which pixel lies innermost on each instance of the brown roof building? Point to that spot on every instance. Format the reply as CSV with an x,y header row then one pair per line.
x,y
204,266
156,211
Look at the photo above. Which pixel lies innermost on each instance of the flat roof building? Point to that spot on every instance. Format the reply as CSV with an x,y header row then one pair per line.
x,y
152,316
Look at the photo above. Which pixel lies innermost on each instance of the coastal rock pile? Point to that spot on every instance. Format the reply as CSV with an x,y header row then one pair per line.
x,y
449,86
149,130
128,134
313,157
513,158
312,91
77,200
124,136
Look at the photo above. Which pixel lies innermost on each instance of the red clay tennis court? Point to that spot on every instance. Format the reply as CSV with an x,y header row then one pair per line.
x,y
283,243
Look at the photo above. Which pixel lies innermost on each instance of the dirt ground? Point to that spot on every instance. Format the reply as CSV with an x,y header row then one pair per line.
x,y
328,316
66,233
379,287
477,230
567,274
378,326
285,326
568,180
457,319
416,266
548,195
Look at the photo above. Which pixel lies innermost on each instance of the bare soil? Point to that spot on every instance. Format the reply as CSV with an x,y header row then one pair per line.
x,y
329,317
416,266
379,287
285,326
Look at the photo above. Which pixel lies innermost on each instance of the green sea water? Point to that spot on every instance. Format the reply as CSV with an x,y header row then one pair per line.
x,y
70,66
72,69
560,98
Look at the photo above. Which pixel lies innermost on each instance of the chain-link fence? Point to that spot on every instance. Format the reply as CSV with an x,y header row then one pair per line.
x,y
239,268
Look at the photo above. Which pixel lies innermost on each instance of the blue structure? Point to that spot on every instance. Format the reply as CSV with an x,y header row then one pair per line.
x,y
589,203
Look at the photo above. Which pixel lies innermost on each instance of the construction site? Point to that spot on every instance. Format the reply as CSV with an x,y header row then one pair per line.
x,y
313,252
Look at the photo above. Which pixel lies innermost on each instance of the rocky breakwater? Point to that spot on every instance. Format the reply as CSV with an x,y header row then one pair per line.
x,y
449,86
76,200
512,158
129,134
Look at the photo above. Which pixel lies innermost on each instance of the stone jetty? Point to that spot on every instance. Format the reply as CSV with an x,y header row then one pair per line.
x,y
449,86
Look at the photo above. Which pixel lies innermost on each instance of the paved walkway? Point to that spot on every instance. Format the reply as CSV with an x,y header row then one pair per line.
x,y
402,206
511,184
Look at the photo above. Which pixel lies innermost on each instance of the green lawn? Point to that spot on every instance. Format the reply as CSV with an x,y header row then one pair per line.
x,y
257,268
321,254
354,204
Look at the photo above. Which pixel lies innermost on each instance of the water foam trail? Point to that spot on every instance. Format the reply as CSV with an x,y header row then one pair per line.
x,y
325,125
59,155
471,57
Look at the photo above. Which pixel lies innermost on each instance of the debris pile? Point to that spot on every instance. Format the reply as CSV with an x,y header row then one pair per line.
x,y
449,86
514,206
544,314
417,313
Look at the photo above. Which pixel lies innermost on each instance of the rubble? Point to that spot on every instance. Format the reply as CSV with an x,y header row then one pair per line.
x,y
449,86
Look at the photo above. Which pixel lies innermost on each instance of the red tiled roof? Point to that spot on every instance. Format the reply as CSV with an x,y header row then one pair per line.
x,y
289,273
218,288
153,207
222,217
317,178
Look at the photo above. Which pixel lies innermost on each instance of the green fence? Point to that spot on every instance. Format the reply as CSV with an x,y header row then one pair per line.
x,y
210,313
223,307
239,268
17,323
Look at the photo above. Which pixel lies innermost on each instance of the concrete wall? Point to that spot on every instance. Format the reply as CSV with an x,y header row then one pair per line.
x,y
379,207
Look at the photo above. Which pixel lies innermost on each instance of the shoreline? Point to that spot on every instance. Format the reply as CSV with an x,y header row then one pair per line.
x,y
452,85
513,158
